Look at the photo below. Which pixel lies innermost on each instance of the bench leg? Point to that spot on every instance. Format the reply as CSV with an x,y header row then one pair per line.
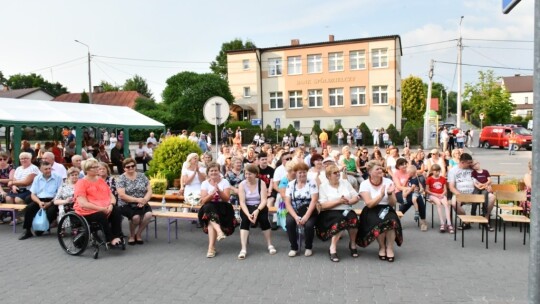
x,y
169,230
462,238
496,220
483,234
504,235
155,227
487,235
14,220
524,235
432,218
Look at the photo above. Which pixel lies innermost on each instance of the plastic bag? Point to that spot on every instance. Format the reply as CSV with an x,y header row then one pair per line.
x,y
282,216
40,222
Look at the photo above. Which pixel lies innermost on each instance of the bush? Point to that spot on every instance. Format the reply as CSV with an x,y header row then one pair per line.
x,y
394,135
367,135
333,139
317,129
410,129
158,183
169,157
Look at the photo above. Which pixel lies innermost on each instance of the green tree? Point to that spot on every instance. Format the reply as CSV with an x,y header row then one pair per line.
x,y
413,100
3,80
487,96
84,98
219,66
137,83
395,138
20,81
109,87
170,155
187,92
366,134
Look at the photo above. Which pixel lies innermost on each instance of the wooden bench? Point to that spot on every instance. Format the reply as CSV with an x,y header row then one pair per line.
x,y
171,198
521,219
173,217
13,208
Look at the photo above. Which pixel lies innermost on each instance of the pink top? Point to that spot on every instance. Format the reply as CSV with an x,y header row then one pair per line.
x,y
97,193
400,179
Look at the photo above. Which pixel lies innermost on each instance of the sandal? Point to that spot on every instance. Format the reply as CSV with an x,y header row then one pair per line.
x,y
442,229
354,251
242,255
221,236
451,229
211,253
272,250
333,257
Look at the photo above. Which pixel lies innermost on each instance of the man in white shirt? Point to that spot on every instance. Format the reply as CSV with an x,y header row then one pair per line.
x,y
56,168
460,181
152,139
375,137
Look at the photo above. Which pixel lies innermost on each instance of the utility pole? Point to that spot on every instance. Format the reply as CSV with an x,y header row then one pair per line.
x,y
446,90
460,49
428,108
89,72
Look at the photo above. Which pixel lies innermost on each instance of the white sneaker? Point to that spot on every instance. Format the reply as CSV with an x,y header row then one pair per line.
x,y
292,253
308,252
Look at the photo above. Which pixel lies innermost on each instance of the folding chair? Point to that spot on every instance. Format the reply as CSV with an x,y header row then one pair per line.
x,y
514,197
471,199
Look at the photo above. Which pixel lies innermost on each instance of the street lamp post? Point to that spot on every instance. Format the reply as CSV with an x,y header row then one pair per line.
x,y
89,72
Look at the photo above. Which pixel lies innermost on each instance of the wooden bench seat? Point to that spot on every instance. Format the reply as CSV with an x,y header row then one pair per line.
x,y
173,217
13,208
171,198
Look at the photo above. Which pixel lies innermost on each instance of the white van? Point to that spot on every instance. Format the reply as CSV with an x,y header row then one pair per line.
x,y
530,125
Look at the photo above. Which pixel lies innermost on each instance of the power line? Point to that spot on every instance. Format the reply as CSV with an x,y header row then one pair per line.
x,y
497,40
486,66
489,58
496,47
58,64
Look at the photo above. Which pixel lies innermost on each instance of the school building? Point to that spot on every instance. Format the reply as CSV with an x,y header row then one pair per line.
x,y
335,81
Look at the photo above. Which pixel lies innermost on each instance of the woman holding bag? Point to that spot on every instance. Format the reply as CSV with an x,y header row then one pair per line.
x,y
254,209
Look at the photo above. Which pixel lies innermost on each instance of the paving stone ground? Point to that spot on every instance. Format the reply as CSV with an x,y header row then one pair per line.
x,y
430,268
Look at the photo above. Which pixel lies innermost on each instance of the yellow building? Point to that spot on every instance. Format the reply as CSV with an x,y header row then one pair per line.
x,y
346,81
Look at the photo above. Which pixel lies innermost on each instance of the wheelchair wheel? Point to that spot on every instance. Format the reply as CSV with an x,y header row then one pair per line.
x,y
73,233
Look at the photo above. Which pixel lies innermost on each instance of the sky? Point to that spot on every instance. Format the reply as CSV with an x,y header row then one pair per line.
x,y
169,37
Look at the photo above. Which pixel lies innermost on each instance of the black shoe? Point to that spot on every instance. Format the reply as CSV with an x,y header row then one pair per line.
x,y
26,235
274,226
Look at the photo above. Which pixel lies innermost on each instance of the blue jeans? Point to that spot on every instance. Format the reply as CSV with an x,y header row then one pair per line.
x,y
406,204
511,148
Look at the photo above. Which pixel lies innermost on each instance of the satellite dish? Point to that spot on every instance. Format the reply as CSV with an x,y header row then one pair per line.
x,y
216,110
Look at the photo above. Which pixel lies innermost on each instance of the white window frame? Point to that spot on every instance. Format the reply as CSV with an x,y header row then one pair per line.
x,y
379,93
379,58
296,124
335,97
294,65
357,60
247,92
275,67
295,100
317,96
245,64
276,97
335,62
358,94
315,64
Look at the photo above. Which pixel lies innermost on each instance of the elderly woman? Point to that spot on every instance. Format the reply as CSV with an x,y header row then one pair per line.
x,y
95,201
5,171
349,166
104,171
134,191
254,210
207,159
216,214
235,176
193,174
21,179
64,196
378,219
316,169
301,198
336,198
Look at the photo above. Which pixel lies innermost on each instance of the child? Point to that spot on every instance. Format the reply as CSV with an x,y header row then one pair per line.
x,y
482,185
415,188
436,191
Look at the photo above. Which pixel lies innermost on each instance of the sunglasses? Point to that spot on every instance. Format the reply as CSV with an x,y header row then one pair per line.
x,y
2,159
335,172
129,166
288,158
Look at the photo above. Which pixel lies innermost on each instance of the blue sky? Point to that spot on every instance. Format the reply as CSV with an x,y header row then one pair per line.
x,y
38,36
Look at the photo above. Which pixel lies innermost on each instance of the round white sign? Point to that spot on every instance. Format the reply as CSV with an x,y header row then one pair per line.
x,y
481,116
216,110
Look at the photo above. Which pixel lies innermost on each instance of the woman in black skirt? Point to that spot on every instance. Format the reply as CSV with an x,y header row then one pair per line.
x,y
379,219
336,198
217,214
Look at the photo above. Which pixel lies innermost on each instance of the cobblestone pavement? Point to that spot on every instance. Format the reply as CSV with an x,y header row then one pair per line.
x,y
430,268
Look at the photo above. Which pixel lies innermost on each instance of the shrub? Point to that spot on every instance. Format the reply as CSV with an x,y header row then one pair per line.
x,y
410,129
158,183
169,157
394,135
366,133
333,139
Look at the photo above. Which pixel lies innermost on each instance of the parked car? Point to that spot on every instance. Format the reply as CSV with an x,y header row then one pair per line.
x,y
498,136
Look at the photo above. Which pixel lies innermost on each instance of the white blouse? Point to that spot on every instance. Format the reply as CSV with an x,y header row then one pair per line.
x,y
329,193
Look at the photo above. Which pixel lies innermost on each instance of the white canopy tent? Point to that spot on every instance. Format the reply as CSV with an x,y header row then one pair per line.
x,y
18,113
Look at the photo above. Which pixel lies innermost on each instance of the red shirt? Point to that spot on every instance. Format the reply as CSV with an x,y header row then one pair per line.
x,y
436,185
97,193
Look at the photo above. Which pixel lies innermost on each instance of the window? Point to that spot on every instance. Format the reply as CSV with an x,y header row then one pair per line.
x,y
335,62
296,124
357,60
337,122
314,63
247,92
276,100
380,95
315,98
245,64
379,58
275,67
294,65
336,97
358,96
295,99
526,100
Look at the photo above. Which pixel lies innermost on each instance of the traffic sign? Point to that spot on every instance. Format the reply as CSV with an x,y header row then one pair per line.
x,y
508,5
255,122
481,116
216,110
277,122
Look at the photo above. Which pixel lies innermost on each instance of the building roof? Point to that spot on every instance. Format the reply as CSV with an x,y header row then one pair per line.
x,y
528,106
39,113
19,93
518,84
330,42
115,98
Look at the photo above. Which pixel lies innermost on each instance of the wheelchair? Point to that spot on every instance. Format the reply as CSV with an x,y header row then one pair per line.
x,y
75,234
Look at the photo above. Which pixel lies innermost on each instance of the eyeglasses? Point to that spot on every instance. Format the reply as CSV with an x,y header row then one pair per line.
x,y
3,159
288,158
365,152
94,167
129,166
335,172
